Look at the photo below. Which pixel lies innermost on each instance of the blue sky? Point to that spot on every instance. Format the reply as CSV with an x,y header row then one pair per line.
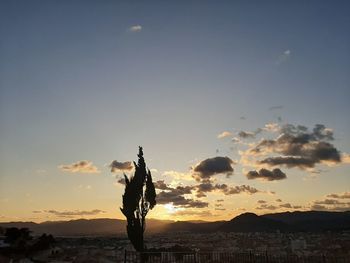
x,y
78,82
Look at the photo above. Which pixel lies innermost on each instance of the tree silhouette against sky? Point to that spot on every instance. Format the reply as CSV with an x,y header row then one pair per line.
x,y
139,197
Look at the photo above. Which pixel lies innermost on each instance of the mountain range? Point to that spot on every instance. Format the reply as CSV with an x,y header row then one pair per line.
x,y
248,222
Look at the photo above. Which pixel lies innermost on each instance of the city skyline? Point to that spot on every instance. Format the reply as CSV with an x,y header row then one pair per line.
x,y
240,107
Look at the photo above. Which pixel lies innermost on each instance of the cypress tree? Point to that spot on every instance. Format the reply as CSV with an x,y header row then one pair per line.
x,y
139,197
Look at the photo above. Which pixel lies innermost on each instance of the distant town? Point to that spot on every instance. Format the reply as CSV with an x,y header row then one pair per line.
x,y
193,240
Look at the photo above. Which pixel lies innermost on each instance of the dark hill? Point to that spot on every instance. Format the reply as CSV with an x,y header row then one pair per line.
x,y
250,222
314,220
85,227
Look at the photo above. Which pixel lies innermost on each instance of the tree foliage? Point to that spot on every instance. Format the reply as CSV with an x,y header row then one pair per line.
x,y
139,197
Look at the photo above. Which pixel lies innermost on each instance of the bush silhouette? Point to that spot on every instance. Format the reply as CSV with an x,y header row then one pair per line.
x,y
139,197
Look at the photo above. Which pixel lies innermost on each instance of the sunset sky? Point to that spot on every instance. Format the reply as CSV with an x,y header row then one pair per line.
x,y
240,106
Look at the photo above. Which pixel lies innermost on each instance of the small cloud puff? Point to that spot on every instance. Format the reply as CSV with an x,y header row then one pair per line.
x,y
135,28
224,134
79,167
120,166
284,56
212,166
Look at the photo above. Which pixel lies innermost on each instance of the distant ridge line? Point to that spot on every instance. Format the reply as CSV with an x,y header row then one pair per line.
x,y
298,221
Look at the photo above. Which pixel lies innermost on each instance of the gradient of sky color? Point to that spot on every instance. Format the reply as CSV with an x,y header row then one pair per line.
x,y
92,80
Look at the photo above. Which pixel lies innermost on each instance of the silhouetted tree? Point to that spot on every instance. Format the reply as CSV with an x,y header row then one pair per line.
x,y
139,197
17,237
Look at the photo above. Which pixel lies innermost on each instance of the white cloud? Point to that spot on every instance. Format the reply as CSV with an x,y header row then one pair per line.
x,y
135,28
284,56
224,134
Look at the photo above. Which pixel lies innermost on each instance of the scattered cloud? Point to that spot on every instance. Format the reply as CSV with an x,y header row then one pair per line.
x,y
135,28
74,213
289,162
176,196
188,212
236,140
273,207
208,186
278,107
121,181
80,167
345,195
266,207
120,166
333,202
179,200
275,174
246,135
272,127
286,205
284,57
297,146
224,134
161,185
212,166
330,202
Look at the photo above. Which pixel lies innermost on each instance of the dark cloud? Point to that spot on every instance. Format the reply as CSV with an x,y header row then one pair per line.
x,y
275,174
261,202
120,166
249,135
299,147
266,207
220,209
242,118
279,107
278,200
179,200
75,213
79,167
121,181
345,195
330,202
286,205
176,196
220,200
330,208
240,189
211,166
334,202
161,185
246,135
322,133
318,207
225,189
218,205
289,162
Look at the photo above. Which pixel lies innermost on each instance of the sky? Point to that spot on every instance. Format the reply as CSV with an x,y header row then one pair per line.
x,y
240,106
